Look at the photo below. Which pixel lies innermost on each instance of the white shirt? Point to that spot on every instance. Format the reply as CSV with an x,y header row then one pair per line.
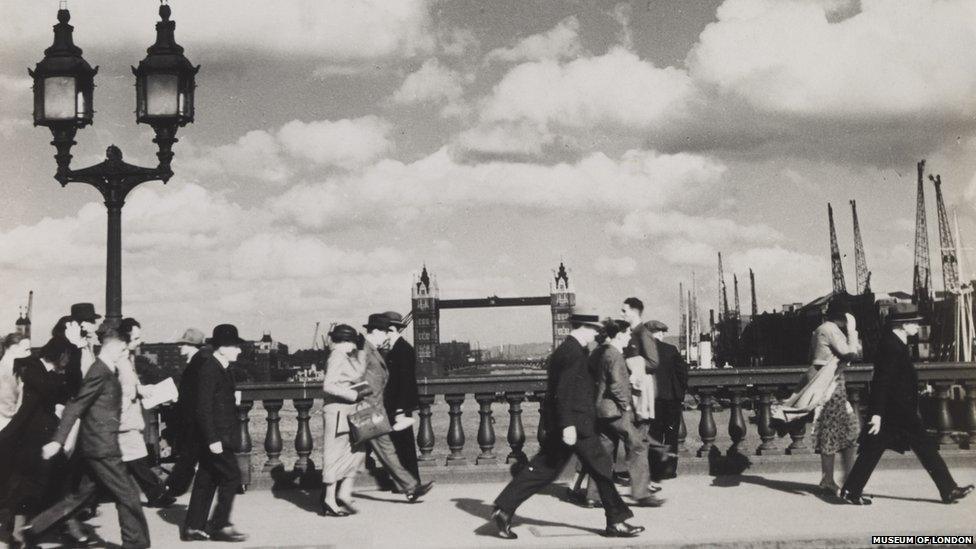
x,y
222,360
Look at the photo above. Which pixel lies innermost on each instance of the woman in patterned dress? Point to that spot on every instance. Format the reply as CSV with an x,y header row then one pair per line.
x,y
837,427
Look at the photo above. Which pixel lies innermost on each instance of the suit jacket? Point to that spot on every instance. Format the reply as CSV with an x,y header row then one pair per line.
x,y
570,391
894,392
215,410
671,376
643,344
98,405
612,381
189,380
376,374
401,388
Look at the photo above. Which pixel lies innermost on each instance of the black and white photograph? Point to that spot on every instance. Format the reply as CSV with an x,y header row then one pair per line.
x,y
487,273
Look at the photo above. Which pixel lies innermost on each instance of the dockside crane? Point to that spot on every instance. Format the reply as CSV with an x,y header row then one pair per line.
x,y
752,289
723,296
860,261
735,285
837,268
950,265
683,312
922,274
315,336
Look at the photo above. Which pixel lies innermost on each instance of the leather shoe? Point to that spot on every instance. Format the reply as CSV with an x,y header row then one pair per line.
x,y
623,530
957,494
419,491
503,521
164,500
192,534
649,501
847,497
227,533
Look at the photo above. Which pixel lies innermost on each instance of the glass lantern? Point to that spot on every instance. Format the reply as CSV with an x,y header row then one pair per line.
x,y
63,81
165,79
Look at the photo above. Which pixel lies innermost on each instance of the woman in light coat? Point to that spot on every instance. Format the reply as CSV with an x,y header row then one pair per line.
x,y
343,387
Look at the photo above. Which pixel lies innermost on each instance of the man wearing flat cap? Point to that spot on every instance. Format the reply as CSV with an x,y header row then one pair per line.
x,y
401,395
895,423
671,382
216,429
569,418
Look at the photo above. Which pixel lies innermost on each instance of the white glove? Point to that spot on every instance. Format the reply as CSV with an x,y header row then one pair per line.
x,y
50,450
875,425
58,410
851,323
569,436
217,448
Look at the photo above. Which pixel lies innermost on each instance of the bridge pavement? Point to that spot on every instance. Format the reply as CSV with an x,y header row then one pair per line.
x,y
772,510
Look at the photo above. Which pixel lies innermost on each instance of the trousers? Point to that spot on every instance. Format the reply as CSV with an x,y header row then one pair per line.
x,y
217,473
873,447
624,430
146,478
545,467
111,475
664,427
385,451
181,477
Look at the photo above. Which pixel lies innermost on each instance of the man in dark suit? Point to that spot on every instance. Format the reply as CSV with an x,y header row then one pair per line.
x,y
400,396
671,380
196,353
569,418
216,432
895,423
98,406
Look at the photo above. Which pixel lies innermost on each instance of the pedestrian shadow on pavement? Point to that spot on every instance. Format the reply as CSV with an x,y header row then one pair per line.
x,y
900,498
174,514
483,510
299,490
786,486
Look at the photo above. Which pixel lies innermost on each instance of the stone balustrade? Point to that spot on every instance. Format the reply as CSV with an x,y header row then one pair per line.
x,y
950,414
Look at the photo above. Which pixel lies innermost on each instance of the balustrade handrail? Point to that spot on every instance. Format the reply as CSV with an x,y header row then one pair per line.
x,y
536,382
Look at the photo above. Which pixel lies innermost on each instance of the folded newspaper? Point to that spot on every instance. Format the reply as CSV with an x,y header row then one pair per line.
x,y
160,393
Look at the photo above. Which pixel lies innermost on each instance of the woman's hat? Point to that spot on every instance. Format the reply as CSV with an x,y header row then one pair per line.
x,y
225,335
343,333
377,321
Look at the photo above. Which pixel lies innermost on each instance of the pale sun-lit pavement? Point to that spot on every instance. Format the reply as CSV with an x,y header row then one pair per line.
x,y
773,510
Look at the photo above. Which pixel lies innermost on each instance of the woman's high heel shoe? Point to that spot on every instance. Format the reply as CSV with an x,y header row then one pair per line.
x,y
345,505
329,511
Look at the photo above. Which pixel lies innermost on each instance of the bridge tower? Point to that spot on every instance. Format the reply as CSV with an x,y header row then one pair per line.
x,y
425,298
563,299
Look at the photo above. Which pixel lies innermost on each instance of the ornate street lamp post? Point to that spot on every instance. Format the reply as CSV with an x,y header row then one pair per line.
x,y
63,87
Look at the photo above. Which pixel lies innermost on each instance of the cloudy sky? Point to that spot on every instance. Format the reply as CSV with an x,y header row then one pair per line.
x,y
341,144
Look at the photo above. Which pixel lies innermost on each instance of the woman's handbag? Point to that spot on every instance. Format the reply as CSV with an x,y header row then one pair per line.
x,y
368,422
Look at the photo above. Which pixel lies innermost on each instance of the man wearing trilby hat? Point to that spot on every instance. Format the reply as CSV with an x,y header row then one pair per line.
x,y
569,419
895,423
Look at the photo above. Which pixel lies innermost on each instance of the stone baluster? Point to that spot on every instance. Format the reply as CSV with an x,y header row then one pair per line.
x,y
737,423
682,435
798,433
486,429
540,434
970,414
272,438
425,432
516,433
766,433
455,431
244,452
303,438
943,419
152,434
706,425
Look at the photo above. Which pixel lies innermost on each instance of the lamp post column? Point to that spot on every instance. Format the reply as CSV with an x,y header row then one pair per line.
x,y
113,264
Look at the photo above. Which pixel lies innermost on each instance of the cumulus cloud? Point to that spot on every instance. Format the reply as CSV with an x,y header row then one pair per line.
x,y
897,58
655,225
637,179
270,155
432,83
617,89
326,29
559,42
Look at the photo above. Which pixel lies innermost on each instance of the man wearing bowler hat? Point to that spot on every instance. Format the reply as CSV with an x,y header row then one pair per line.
x,y
216,432
400,397
893,409
377,375
569,419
